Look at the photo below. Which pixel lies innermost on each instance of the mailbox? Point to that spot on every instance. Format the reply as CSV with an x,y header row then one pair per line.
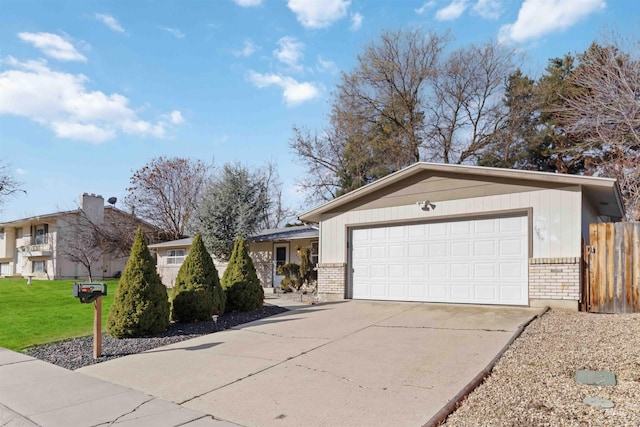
x,y
89,291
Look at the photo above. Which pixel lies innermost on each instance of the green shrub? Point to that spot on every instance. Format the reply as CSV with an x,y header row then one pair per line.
x,y
197,294
240,281
140,306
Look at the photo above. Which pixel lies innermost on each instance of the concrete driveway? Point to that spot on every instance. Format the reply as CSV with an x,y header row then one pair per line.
x,y
347,363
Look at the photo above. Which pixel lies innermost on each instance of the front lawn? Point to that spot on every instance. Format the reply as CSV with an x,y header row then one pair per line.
x,y
45,312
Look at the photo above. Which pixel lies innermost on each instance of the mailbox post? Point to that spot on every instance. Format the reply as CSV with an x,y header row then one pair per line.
x,y
89,292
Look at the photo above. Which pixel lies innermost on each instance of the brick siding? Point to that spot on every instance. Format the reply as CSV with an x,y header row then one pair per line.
x,y
332,278
554,278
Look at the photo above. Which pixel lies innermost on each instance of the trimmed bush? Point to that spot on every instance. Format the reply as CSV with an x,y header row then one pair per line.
x,y
197,294
140,305
240,281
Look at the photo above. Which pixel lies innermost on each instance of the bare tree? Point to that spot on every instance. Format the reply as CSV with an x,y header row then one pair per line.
x,y
80,241
605,115
377,121
85,241
9,186
402,103
166,192
466,109
276,212
322,154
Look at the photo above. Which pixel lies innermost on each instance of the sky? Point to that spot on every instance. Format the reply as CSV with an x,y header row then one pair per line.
x,y
91,91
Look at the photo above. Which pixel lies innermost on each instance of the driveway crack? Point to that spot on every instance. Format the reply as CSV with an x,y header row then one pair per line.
x,y
280,336
110,423
437,328
334,375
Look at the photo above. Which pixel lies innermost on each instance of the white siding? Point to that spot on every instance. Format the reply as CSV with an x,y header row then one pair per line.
x,y
556,220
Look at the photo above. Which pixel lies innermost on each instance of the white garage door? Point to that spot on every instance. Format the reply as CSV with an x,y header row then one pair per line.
x,y
481,261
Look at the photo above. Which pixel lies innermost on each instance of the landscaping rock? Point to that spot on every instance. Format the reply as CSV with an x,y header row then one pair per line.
x,y
599,378
598,402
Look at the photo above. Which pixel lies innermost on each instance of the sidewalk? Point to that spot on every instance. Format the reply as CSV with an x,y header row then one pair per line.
x,y
36,393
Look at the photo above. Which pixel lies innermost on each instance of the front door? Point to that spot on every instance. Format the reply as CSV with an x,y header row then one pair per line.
x,y
280,256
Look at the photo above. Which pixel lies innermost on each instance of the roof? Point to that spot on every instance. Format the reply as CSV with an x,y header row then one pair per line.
x,y
603,192
286,233
70,212
186,242
269,235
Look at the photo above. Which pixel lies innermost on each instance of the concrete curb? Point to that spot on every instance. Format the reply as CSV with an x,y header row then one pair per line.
x,y
451,406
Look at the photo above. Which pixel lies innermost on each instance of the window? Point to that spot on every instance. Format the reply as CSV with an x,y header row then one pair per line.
x,y
314,253
4,269
41,234
175,256
1,233
39,267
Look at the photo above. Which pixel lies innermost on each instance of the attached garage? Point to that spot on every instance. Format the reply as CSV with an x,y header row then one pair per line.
x,y
479,261
462,234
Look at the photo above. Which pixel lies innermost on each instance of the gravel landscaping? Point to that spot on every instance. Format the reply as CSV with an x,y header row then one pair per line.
x,y
533,384
78,352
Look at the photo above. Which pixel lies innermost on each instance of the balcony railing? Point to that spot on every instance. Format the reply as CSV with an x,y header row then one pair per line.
x,y
43,249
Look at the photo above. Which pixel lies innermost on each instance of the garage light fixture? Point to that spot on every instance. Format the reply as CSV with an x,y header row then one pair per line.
x,y
426,205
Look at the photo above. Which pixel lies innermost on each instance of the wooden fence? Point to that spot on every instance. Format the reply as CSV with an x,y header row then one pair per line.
x,y
613,268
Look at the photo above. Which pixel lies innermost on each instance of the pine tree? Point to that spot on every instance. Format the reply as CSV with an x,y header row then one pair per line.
x,y
240,281
197,294
140,306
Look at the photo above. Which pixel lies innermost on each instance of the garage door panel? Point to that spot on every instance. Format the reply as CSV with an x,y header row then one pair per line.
x,y
460,271
416,230
485,248
511,247
397,251
461,292
468,261
416,250
511,225
437,229
460,249
436,250
511,270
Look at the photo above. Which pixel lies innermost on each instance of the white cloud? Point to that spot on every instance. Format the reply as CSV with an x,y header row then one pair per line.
x,y
294,92
62,102
174,32
53,46
537,18
319,13
21,171
426,6
488,9
356,21
326,65
290,52
176,117
109,21
248,3
249,49
451,12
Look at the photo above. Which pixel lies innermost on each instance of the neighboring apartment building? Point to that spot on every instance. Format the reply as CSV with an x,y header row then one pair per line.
x,y
30,247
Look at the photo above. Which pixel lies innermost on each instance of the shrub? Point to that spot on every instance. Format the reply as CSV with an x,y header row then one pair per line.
x,y
291,273
197,294
240,281
140,305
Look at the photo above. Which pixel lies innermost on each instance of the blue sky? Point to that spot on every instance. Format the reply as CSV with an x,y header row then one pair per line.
x,y
92,90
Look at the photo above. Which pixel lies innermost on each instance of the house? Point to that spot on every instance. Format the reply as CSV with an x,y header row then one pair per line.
x,y
462,234
268,249
31,247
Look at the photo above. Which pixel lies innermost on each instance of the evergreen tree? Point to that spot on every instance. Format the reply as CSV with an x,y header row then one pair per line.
x,y
140,306
197,294
240,281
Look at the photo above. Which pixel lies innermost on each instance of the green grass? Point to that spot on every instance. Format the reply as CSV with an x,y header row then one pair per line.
x,y
45,312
